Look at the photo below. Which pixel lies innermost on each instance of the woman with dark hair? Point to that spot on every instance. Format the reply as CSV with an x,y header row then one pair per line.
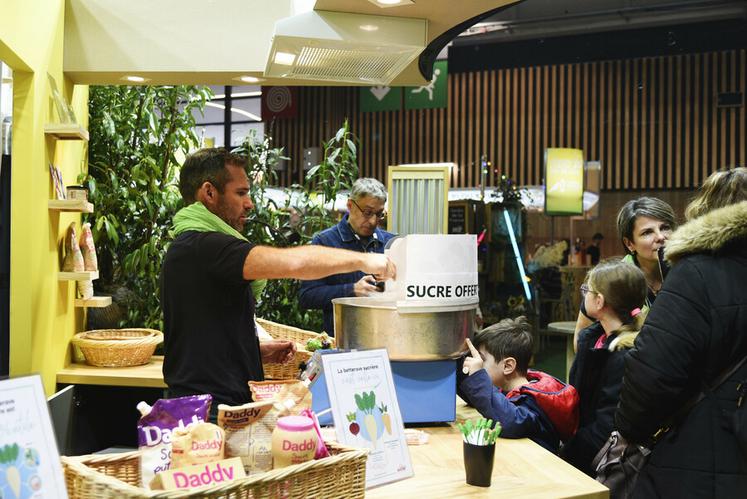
x,y
695,333
643,225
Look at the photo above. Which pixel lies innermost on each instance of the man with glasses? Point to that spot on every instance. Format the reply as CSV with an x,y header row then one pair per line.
x,y
358,231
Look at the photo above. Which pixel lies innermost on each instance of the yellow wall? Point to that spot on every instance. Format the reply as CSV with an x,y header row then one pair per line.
x,y
42,316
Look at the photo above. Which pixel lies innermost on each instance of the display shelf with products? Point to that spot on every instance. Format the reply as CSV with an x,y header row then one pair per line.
x,y
78,276
66,131
94,302
74,205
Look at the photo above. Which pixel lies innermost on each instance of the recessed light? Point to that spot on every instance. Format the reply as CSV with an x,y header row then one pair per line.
x,y
135,79
391,3
284,58
368,27
248,79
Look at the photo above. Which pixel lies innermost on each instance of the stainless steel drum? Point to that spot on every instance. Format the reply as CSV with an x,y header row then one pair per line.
x,y
371,323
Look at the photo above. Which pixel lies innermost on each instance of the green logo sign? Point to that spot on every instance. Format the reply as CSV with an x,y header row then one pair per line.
x,y
380,99
434,94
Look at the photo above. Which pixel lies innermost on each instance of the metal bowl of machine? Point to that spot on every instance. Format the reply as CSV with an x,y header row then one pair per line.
x,y
438,333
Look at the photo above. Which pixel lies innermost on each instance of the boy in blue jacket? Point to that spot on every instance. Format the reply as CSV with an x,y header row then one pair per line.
x,y
495,378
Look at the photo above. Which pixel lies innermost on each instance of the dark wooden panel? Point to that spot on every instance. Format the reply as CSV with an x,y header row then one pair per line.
x,y
653,122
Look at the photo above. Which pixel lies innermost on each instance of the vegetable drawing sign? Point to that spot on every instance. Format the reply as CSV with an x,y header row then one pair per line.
x,y
369,420
366,413
29,461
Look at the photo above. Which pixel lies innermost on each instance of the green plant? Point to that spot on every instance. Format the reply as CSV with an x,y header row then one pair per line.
x,y
137,134
305,210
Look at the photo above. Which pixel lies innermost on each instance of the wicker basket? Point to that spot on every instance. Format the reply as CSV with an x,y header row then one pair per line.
x,y
341,476
282,332
118,347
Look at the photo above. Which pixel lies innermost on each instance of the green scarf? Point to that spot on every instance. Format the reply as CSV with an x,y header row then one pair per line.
x,y
198,218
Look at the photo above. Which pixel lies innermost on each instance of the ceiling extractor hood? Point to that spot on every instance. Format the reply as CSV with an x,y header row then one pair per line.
x,y
343,47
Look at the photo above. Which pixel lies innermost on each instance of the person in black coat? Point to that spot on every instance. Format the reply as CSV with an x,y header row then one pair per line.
x,y
614,294
695,332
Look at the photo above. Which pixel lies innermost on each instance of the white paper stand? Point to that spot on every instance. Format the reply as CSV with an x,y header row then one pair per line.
x,y
29,460
366,412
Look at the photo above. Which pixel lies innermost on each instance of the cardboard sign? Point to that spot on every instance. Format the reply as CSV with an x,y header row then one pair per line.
x,y
434,270
29,461
366,412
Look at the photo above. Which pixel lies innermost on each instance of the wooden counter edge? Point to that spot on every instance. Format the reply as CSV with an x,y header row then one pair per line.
x,y
146,376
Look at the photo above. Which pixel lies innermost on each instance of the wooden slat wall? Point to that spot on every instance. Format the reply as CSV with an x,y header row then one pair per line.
x,y
653,122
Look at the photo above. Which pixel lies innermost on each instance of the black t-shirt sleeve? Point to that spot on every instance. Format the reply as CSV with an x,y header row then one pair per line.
x,y
224,257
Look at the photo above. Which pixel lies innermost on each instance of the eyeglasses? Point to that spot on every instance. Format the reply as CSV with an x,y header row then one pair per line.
x,y
586,289
368,213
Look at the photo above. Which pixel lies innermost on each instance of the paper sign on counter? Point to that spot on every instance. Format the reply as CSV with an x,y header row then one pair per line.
x,y
30,465
366,412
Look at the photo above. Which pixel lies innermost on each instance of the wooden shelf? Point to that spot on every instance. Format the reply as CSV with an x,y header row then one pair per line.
x,y
78,276
94,302
66,131
77,205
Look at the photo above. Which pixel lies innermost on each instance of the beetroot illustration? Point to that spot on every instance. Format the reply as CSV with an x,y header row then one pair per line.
x,y
354,426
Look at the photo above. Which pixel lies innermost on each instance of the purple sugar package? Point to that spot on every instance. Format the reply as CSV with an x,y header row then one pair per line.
x,y
156,425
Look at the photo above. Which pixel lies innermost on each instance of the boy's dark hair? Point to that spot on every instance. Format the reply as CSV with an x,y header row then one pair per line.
x,y
508,338
206,165
597,236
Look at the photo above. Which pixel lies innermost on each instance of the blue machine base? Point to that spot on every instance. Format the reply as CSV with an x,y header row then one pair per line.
x,y
426,392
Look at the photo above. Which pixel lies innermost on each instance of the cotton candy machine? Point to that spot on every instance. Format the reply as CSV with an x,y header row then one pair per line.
x,y
436,334
422,318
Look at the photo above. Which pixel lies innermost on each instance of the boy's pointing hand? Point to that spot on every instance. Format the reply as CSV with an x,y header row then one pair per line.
x,y
473,363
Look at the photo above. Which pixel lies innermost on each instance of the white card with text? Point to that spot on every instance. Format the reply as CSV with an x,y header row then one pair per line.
x,y
366,412
30,465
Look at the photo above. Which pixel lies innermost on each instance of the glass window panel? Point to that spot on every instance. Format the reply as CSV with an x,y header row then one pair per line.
x,y
218,89
240,131
6,107
211,132
244,89
246,109
212,113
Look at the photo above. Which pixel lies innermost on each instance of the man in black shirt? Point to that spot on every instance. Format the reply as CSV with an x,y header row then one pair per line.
x,y
210,339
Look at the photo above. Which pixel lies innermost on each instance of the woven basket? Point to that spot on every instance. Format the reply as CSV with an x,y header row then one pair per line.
x,y
282,332
118,347
341,476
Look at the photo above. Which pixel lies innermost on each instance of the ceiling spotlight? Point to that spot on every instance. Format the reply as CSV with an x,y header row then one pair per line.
x,y
284,58
391,3
248,79
368,27
135,79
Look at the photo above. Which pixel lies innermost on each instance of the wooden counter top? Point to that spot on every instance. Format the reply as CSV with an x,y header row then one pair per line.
x,y
521,469
149,375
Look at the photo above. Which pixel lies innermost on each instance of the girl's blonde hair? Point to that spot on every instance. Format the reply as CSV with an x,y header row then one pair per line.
x,y
624,289
721,188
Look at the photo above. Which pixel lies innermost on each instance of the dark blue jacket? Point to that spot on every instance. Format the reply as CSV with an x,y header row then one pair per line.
x,y
597,374
320,292
520,415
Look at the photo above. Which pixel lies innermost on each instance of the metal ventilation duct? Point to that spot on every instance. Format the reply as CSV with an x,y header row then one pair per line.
x,y
345,48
